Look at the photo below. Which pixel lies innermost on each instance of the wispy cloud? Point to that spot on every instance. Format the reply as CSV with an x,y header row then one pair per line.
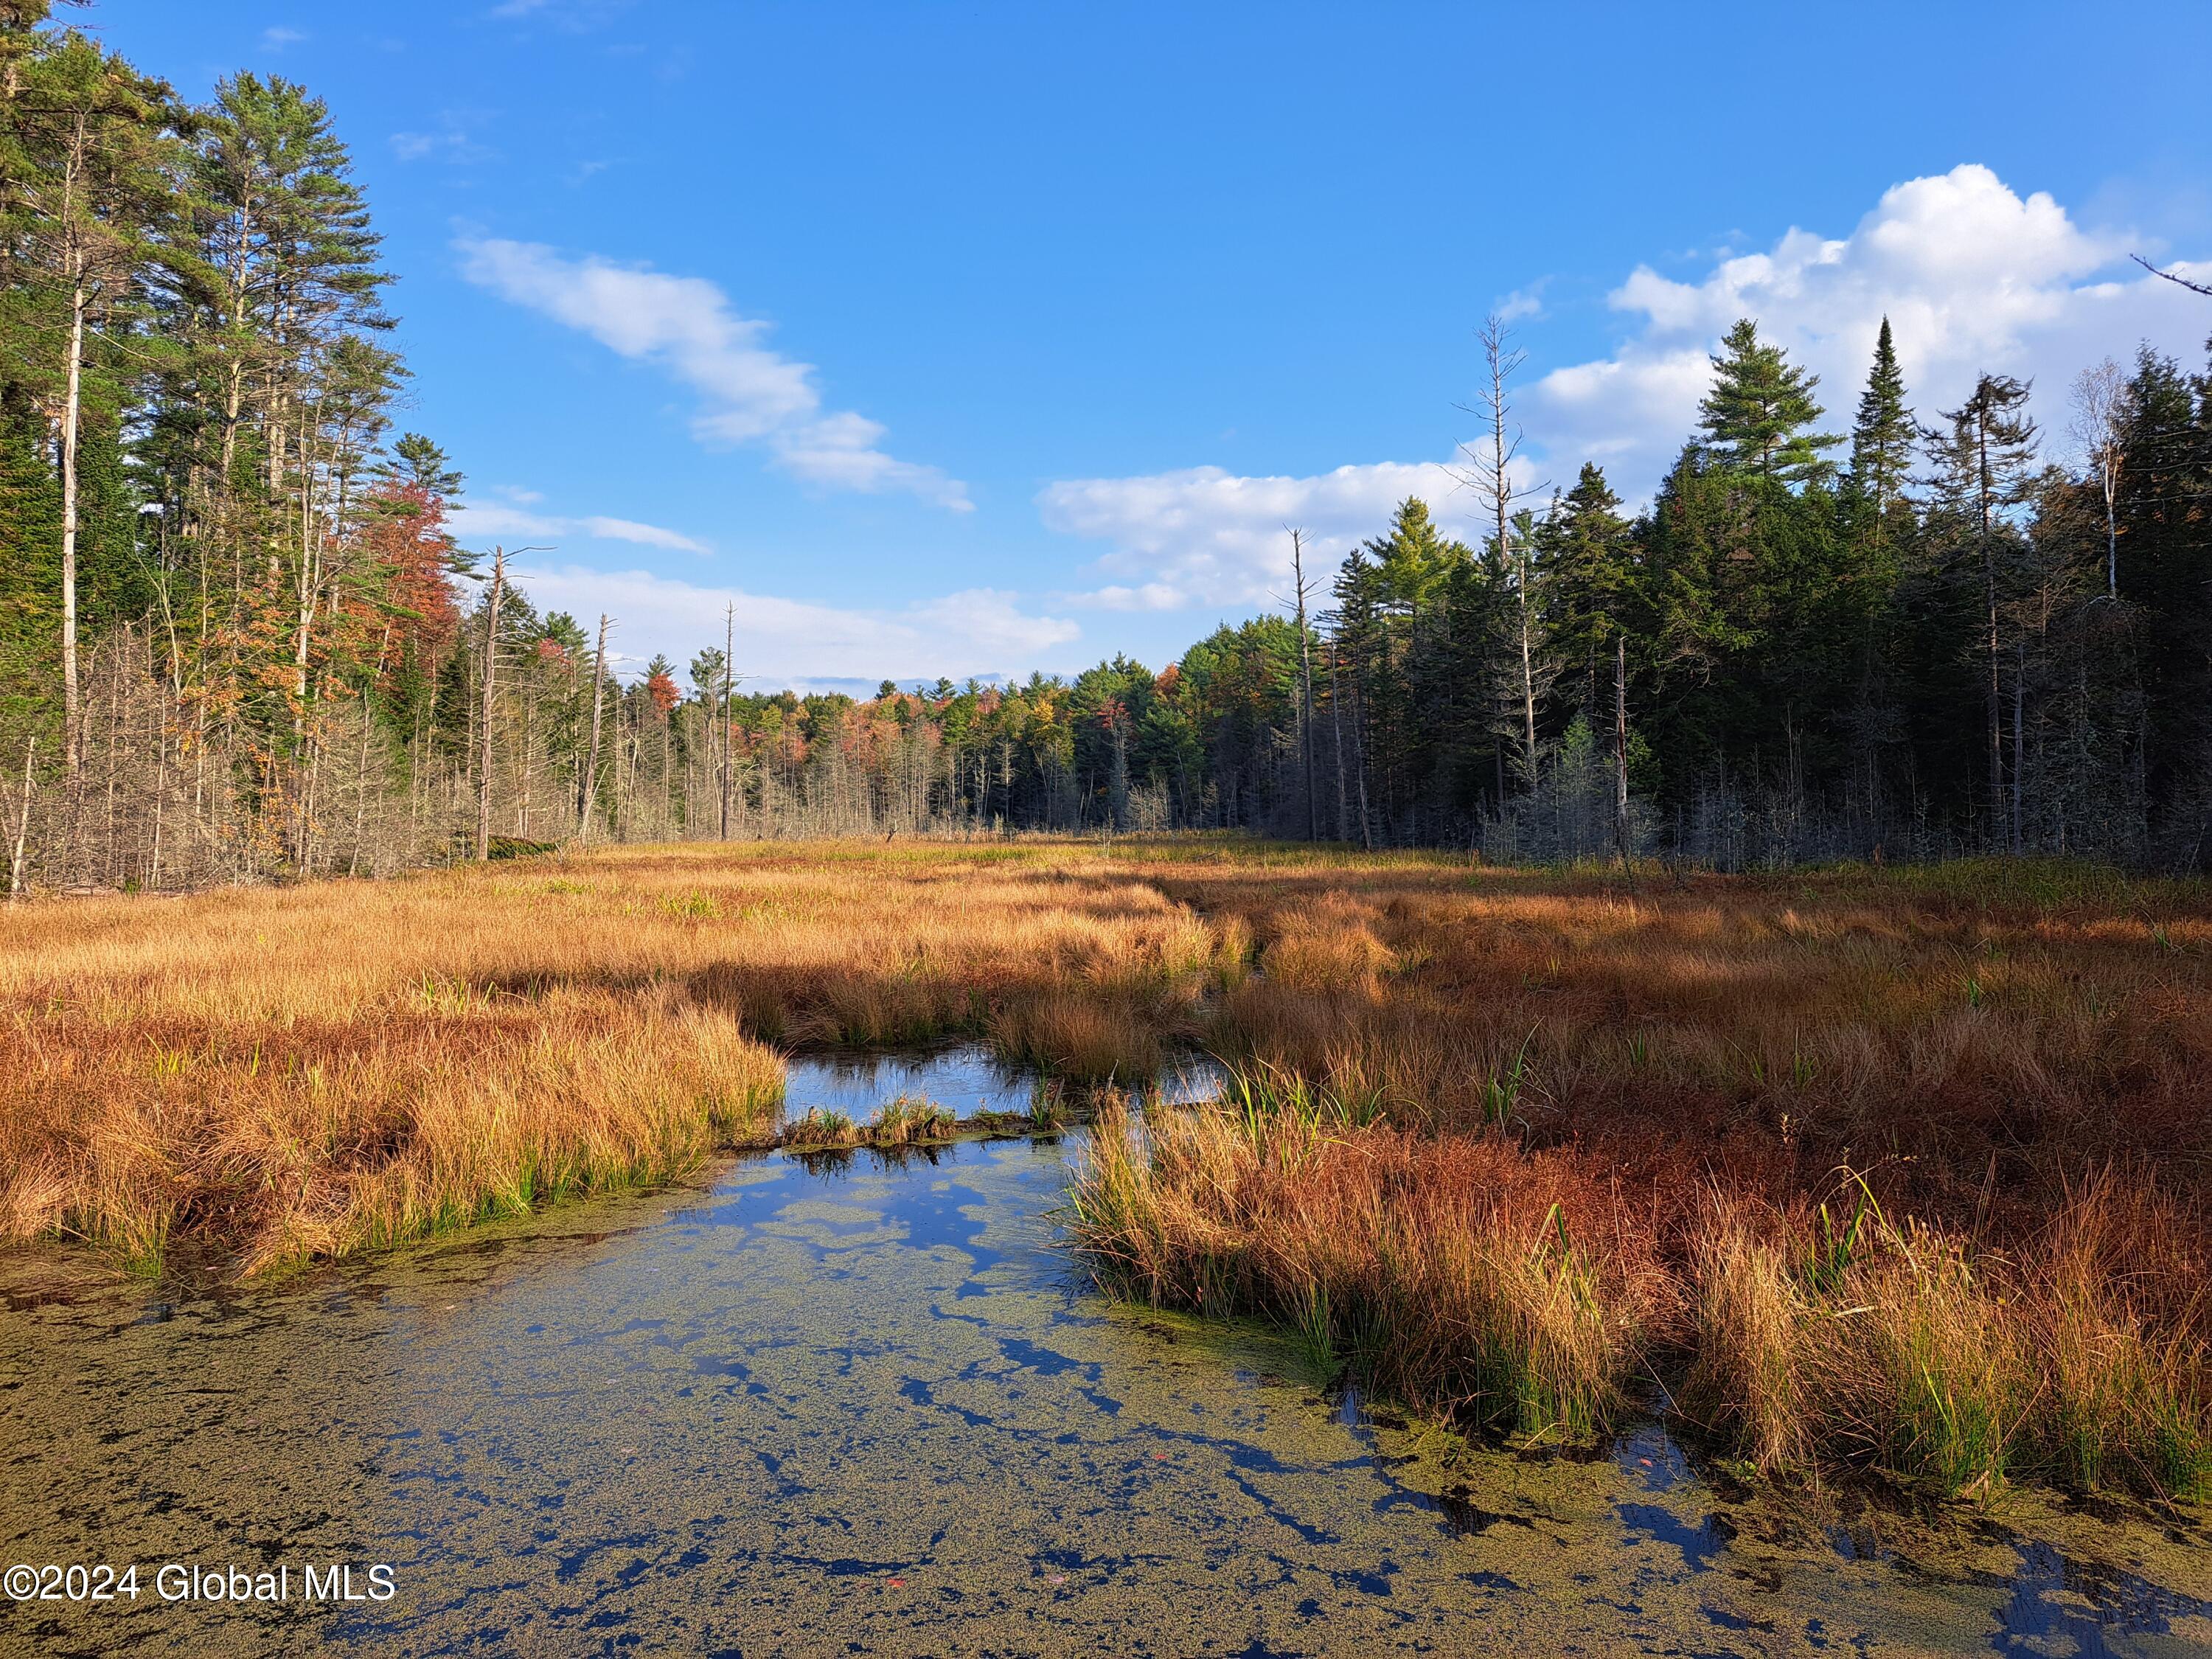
x,y
1522,303
687,326
277,37
572,15
483,520
1206,536
980,631
452,140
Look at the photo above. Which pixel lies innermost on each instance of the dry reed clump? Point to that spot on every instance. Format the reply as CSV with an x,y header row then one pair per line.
x,y
258,1075
1744,1384
1450,1275
1713,1052
1084,1040
310,1143
1861,1341
908,1121
1328,946
571,1109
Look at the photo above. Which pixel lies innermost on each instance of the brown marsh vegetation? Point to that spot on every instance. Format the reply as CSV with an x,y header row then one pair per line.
x,y
267,1076
1898,1169
1892,1170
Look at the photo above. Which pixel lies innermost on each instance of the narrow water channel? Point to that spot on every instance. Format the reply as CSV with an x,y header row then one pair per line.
x,y
863,1406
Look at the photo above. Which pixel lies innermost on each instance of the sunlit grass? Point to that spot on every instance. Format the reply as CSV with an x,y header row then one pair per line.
x,y
1899,1169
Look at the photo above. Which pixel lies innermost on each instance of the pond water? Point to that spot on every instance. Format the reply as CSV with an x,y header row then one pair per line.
x,y
862,1406
968,1078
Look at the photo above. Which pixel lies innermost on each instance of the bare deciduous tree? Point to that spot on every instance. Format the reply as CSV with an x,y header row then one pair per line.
x,y
1491,459
2101,393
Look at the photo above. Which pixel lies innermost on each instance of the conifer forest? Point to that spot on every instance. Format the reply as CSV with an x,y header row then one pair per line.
x,y
239,641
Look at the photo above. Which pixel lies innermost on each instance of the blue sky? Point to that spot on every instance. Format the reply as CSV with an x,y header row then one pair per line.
x,y
983,338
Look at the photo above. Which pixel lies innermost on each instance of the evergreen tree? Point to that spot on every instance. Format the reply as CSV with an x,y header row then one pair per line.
x,y
84,158
1411,562
1755,416
1882,436
1986,468
2165,572
1591,558
417,464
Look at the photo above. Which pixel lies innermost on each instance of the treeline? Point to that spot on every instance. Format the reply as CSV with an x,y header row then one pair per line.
x,y
1920,637
238,638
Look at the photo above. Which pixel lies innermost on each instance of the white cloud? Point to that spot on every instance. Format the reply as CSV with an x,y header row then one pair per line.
x,y
1152,596
277,37
1973,276
644,535
572,15
1204,536
685,325
784,642
482,520
1522,302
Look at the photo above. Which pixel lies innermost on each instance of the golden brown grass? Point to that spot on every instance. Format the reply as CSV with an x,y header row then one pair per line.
x,y
265,1076
1893,1169
1442,1271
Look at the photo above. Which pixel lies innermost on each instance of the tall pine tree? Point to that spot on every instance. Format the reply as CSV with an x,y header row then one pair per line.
x,y
1756,416
1882,435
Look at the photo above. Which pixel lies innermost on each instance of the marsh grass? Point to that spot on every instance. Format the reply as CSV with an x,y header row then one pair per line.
x,y
1443,1275
1892,1169
909,1118
278,1075
1901,1348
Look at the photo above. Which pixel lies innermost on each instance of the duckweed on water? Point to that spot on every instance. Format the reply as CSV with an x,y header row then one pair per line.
x,y
732,1416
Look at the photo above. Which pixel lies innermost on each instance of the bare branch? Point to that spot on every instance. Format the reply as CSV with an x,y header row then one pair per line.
x,y
2170,276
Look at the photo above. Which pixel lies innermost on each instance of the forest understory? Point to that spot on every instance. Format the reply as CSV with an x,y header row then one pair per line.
x,y
1894,1170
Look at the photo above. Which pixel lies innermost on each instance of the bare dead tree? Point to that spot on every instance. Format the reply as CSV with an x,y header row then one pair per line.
x,y
1621,749
588,780
2101,393
1490,473
1301,591
23,825
729,685
490,662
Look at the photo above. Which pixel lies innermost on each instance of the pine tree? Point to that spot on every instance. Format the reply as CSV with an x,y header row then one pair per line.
x,y
1755,416
1590,555
1986,468
1882,435
2166,569
418,464
86,157
1412,560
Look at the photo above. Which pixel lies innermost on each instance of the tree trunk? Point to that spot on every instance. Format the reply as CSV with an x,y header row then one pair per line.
x,y
1527,685
22,823
587,786
1305,688
1621,748
72,408
490,665
722,734
2019,749
1996,694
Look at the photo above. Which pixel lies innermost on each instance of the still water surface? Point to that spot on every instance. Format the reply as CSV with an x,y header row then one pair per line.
x,y
862,1407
